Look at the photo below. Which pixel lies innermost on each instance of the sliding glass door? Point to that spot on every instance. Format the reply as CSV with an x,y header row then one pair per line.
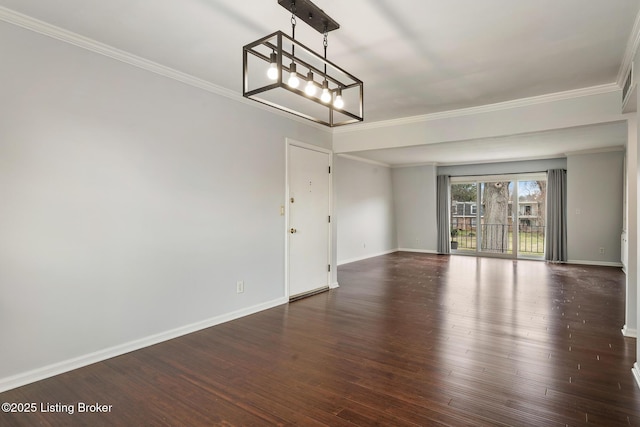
x,y
499,215
496,220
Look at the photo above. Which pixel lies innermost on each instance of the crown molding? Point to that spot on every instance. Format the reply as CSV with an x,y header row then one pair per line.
x,y
83,42
49,30
363,160
500,106
414,165
630,52
596,150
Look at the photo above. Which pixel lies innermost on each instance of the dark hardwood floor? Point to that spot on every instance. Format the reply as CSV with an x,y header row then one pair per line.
x,y
407,339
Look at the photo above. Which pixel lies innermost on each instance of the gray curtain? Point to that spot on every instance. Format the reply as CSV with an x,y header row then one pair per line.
x,y
556,239
442,215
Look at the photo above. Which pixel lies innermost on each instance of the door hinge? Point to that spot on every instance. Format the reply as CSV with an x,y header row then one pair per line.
x,y
329,169
329,267
329,218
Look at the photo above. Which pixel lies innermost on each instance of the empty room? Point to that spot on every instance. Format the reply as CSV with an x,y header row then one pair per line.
x,y
295,212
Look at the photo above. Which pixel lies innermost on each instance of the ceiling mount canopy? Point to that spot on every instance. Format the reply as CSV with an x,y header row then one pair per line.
x,y
314,88
311,15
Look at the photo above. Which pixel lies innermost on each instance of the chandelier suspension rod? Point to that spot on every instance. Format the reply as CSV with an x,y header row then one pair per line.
x,y
325,43
293,26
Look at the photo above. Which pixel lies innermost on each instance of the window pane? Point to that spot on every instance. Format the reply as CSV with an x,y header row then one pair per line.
x,y
531,217
463,216
497,219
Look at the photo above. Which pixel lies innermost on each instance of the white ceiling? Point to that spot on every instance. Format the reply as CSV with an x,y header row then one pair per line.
x,y
415,56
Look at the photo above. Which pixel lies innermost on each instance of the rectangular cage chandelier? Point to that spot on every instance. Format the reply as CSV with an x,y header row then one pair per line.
x,y
283,73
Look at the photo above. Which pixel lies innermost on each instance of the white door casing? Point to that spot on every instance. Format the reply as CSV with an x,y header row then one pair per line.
x,y
309,210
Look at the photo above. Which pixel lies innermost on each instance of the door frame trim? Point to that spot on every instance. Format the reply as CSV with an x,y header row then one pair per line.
x,y
288,143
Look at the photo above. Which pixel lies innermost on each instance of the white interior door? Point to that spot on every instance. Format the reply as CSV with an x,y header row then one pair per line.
x,y
309,228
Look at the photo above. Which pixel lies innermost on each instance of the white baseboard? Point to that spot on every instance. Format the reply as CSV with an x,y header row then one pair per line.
x,y
19,380
599,263
334,285
629,332
636,373
350,260
420,251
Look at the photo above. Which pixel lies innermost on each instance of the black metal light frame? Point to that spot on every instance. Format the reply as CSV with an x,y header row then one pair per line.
x,y
338,80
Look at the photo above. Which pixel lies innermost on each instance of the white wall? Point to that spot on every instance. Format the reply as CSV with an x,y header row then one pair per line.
x,y
594,205
594,187
630,225
632,315
414,194
364,211
131,204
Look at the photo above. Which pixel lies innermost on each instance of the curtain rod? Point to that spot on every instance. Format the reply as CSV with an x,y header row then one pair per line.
x,y
493,174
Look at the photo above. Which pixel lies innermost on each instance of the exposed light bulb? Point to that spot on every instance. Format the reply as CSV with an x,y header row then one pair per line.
x,y
272,72
338,102
293,81
310,89
326,95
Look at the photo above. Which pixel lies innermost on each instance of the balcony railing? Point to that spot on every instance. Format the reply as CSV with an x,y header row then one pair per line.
x,y
498,238
531,240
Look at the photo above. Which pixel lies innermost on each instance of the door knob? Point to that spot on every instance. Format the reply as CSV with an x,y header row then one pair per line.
x,y
293,230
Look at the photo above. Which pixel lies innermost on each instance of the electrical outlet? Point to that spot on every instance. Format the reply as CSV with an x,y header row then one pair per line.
x,y
239,286
601,250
